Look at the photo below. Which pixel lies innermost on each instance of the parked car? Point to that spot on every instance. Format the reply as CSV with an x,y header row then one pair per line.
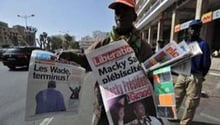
x,y
18,57
2,50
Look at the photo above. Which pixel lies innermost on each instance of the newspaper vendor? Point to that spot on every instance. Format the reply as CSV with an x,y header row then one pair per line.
x,y
191,86
125,15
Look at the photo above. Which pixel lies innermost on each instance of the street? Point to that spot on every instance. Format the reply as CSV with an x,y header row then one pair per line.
x,y
13,97
208,111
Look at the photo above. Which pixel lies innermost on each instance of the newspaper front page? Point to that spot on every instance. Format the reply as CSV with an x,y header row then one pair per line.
x,y
53,87
121,80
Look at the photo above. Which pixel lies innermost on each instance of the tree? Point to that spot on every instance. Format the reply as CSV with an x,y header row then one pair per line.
x,y
74,45
68,40
56,42
44,41
39,42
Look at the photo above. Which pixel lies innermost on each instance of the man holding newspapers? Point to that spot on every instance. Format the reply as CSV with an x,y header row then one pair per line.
x,y
191,86
125,15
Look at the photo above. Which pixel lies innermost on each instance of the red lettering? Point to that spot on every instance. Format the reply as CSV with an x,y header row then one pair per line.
x,y
133,96
113,54
172,52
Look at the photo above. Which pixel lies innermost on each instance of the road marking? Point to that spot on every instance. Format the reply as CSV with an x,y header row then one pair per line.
x,y
210,117
214,74
46,121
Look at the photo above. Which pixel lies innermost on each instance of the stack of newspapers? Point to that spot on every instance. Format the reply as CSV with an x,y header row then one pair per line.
x,y
175,55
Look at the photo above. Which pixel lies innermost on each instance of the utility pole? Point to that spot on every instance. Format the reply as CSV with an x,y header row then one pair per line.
x,y
29,31
25,17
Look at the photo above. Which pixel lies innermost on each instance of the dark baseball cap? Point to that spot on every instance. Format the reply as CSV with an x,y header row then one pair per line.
x,y
196,24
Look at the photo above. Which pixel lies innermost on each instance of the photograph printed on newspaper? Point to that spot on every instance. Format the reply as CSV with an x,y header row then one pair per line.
x,y
121,80
164,93
53,86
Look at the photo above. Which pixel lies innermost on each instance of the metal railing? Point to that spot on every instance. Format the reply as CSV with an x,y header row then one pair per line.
x,y
154,6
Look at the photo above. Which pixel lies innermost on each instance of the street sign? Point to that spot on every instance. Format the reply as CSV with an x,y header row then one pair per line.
x,y
185,25
207,17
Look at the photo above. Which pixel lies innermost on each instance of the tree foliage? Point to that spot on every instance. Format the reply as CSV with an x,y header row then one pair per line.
x,y
56,42
44,41
66,41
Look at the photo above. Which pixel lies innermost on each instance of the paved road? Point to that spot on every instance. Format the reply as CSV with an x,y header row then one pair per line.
x,y
12,96
13,92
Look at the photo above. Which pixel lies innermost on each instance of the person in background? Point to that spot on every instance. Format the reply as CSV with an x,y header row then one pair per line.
x,y
49,100
191,86
125,15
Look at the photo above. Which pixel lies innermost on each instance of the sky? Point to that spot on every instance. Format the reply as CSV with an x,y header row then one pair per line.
x,y
75,17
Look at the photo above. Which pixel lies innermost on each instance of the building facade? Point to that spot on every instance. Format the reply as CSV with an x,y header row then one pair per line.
x,y
85,44
17,35
169,19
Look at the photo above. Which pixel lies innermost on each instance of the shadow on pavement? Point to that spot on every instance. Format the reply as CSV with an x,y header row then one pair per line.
x,y
204,95
202,123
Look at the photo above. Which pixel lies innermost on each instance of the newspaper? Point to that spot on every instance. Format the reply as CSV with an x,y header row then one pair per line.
x,y
164,93
165,56
121,80
184,66
175,55
53,87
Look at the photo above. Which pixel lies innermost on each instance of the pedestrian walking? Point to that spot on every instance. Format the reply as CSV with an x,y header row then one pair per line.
x,y
191,86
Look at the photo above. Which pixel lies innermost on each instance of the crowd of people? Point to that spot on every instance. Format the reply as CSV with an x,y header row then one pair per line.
x,y
185,86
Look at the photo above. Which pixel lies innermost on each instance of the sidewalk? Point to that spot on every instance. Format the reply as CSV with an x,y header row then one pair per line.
x,y
208,111
215,63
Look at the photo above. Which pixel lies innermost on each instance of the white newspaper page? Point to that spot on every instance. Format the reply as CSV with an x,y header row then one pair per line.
x,y
194,48
53,87
121,80
184,66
